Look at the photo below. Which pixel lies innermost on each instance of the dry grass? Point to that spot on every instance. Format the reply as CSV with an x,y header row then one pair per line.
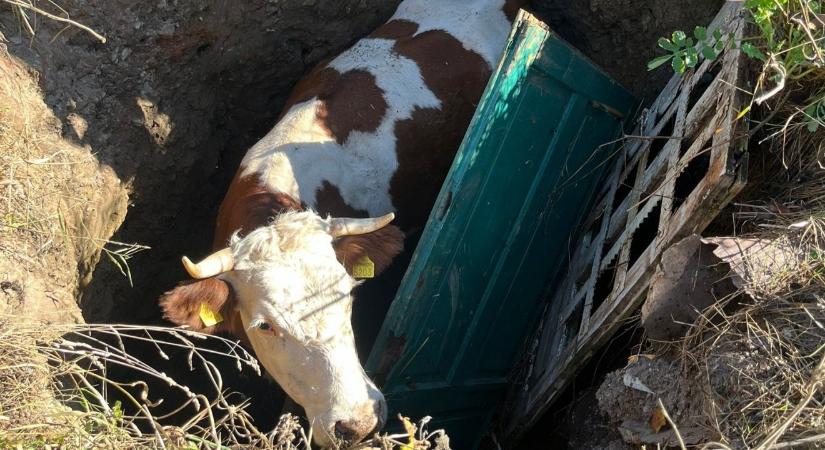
x,y
764,369
761,356
45,369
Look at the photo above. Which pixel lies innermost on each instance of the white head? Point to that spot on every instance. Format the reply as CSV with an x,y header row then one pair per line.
x,y
293,296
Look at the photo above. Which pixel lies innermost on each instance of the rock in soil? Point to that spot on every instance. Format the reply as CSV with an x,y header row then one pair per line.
x,y
688,279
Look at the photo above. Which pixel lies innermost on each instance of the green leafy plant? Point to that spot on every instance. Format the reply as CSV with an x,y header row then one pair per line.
x,y
683,49
753,51
791,34
788,42
815,114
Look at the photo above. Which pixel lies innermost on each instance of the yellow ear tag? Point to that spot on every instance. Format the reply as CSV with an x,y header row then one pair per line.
x,y
364,268
209,317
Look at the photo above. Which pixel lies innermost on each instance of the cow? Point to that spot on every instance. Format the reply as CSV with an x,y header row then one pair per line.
x,y
364,138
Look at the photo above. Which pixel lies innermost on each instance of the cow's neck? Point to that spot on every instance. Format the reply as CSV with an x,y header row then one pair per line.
x,y
249,204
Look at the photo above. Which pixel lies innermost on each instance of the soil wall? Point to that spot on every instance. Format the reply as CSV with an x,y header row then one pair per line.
x,y
171,103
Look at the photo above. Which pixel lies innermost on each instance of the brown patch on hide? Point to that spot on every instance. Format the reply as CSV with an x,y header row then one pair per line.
x,y
350,101
426,143
249,205
511,8
395,29
381,246
317,82
451,71
353,103
329,201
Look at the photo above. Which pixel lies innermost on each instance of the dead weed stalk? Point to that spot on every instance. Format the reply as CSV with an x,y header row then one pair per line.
x,y
27,13
762,355
45,368
55,389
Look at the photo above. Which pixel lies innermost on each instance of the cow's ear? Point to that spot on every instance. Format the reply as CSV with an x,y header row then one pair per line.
x,y
204,305
380,246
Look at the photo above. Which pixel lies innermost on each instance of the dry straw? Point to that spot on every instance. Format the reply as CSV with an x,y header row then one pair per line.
x,y
44,369
27,13
761,356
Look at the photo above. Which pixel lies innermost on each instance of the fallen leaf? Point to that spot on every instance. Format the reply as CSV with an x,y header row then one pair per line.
x,y
657,419
757,263
635,383
633,359
410,429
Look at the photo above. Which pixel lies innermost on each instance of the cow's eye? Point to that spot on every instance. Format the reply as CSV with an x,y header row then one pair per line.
x,y
265,326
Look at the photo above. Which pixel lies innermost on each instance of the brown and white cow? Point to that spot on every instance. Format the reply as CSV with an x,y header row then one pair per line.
x,y
368,133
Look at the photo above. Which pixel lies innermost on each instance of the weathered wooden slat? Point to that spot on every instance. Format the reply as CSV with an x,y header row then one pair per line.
x,y
700,125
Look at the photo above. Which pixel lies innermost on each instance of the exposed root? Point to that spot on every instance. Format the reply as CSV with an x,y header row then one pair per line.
x,y
22,9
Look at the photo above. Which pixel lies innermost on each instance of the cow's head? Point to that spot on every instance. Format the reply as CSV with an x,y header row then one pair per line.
x,y
290,283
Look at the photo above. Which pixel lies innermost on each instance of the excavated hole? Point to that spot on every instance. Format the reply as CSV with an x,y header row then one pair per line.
x,y
172,102
183,88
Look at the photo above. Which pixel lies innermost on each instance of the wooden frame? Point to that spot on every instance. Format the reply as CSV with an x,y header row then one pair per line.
x,y
682,165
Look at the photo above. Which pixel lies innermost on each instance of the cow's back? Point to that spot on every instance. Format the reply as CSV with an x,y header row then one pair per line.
x,y
375,129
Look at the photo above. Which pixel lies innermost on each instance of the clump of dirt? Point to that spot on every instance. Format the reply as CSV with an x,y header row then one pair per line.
x,y
620,35
58,205
171,102
629,398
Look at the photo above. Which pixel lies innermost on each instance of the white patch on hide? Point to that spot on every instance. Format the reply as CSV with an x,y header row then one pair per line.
x,y
481,25
363,166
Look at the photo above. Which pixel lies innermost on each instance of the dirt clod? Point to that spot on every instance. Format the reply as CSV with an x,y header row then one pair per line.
x,y
688,279
629,398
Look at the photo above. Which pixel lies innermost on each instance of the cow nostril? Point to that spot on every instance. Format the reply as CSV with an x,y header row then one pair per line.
x,y
346,430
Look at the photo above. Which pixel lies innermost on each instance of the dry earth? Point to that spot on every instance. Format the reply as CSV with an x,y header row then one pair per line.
x,y
58,205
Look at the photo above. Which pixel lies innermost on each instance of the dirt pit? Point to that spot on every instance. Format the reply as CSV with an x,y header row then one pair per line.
x,y
171,102
182,88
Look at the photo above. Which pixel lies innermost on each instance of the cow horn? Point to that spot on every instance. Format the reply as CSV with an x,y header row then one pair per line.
x,y
214,264
346,227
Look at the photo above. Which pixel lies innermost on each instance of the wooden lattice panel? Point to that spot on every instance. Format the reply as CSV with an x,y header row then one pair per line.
x,y
685,163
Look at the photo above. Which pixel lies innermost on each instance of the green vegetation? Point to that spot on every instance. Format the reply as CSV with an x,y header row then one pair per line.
x,y
786,41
